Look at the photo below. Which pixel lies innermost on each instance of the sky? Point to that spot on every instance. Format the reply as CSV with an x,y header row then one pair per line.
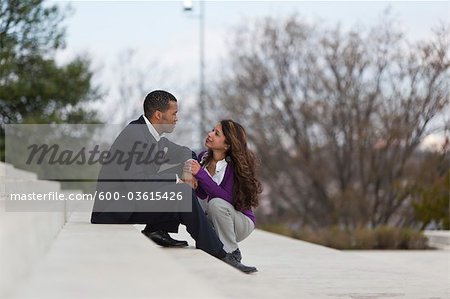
x,y
161,33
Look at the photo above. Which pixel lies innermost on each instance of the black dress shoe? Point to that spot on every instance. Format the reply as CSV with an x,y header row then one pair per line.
x,y
232,261
163,239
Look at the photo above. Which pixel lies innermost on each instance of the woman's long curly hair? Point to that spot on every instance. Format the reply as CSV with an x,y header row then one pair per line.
x,y
246,186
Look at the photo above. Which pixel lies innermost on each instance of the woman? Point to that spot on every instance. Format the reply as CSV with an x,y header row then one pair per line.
x,y
227,182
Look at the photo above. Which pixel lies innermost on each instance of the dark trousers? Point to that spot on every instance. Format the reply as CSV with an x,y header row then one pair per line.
x,y
196,223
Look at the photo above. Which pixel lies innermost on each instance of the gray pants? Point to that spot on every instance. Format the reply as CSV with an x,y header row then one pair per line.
x,y
231,226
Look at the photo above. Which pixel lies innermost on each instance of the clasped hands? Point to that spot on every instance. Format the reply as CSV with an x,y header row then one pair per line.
x,y
191,167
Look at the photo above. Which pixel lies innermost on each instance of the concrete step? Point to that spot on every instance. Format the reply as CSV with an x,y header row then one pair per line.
x,y
438,239
9,171
291,268
27,228
25,195
25,237
117,261
110,261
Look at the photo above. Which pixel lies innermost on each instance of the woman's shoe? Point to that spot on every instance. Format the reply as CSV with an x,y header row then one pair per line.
x,y
231,260
237,255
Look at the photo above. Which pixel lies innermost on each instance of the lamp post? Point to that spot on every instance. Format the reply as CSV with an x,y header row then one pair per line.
x,y
187,6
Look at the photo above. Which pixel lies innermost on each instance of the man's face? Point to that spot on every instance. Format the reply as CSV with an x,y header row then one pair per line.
x,y
169,118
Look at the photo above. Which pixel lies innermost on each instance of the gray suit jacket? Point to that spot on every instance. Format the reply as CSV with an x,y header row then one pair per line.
x,y
152,166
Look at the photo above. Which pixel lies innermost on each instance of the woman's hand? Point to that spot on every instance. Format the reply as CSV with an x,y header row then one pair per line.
x,y
191,166
187,178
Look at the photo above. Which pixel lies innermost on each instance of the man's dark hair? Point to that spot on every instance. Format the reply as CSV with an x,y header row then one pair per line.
x,y
157,100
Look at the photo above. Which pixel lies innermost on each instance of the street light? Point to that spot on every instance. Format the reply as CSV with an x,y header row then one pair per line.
x,y
188,6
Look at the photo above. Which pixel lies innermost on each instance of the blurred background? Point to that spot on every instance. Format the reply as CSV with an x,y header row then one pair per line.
x,y
345,103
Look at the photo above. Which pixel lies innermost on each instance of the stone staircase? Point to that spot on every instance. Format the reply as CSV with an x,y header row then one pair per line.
x,y
43,258
25,237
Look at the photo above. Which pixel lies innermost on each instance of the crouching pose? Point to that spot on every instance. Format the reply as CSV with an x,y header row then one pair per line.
x,y
227,183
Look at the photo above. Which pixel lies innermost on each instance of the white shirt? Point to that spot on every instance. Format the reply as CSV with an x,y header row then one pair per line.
x,y
152,129
221,166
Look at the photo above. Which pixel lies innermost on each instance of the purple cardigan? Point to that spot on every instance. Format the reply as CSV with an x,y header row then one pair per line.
x,y
207,188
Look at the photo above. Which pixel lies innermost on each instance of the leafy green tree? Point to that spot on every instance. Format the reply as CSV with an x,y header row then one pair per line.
x,y
434,206
34,88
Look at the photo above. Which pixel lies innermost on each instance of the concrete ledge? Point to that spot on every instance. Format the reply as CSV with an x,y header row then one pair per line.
x,y
8,170
117,261
110,261
291,268
25,236
24,240
439,239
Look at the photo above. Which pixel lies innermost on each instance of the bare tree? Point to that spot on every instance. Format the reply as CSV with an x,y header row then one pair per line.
x,y
336,116
135,78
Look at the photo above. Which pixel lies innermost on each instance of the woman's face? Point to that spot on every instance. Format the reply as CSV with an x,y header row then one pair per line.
x,y
215,140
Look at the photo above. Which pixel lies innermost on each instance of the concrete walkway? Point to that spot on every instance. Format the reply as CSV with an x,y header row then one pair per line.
x,y
117,261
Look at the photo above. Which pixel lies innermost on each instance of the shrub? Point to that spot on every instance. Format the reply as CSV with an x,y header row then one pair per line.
x,y
384,237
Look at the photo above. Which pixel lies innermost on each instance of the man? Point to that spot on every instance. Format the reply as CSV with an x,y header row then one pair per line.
x,y
128,177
